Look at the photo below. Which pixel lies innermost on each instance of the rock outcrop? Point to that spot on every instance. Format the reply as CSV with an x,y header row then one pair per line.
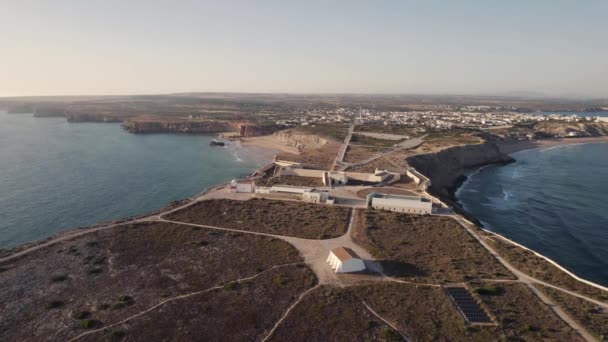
x,y
447,168
140,125
302,142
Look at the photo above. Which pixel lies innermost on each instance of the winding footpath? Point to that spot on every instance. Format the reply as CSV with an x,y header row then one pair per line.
x,y
314,253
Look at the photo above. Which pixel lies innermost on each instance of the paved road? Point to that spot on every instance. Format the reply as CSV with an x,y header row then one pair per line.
x,y
340,157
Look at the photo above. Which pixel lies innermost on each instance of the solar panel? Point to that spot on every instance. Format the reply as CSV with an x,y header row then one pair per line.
x,y
467,305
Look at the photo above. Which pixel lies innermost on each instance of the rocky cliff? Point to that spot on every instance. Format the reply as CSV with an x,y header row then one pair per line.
x,y
195,126
92,117
447,168
154,125
252,130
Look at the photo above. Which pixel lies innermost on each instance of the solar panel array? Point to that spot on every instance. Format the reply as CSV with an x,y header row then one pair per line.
x,y
467,305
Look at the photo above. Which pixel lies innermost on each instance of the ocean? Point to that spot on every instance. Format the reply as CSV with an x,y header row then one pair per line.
x,y
554,201
56,175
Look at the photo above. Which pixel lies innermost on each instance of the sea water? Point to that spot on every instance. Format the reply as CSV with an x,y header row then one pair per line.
x,y
56,175
554,201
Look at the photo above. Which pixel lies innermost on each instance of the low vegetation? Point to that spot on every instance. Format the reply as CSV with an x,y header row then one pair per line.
x,y
591,316
427,248
521,315
320,158
149,262
292,180
539,268
360,139
332,314
240,311
304,220
327,130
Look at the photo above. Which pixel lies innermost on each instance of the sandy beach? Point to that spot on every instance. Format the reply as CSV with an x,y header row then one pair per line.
x,y
270,142
517,145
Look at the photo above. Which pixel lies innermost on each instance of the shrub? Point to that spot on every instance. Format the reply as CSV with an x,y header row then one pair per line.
x,y
388,334
123,301
103,306
54,304
89,323
115,335
80,314
232,286
59,277
490,291
96,270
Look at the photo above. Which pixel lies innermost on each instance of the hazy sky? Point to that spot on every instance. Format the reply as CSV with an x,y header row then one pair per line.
x,y
55,47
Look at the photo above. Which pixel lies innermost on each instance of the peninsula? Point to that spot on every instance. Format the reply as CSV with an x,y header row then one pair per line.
x,y
352,232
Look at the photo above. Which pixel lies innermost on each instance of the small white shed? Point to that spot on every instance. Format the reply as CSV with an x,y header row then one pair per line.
x,y
345,260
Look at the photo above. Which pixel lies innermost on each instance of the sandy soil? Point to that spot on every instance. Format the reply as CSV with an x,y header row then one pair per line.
x,y
269,142
516,146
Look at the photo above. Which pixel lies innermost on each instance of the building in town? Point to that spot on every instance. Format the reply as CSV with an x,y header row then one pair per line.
x,y
400,203
345,260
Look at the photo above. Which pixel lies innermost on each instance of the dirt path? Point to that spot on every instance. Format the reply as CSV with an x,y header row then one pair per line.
x,y
168,300
529,282
291,307
387,322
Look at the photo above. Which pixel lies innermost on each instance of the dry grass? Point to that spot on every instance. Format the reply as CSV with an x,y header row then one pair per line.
x,y
140,264
304,220
522,316
427,248
330,314
360,139
539,268
422,313
294,180
237,312
357,154
321,158
589,315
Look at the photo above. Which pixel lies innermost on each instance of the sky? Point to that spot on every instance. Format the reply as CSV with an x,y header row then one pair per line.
x,y
94,47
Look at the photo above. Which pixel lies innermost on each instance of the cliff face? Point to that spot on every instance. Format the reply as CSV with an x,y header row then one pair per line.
x,y
251,130
179,126
84,117
302,142
446,168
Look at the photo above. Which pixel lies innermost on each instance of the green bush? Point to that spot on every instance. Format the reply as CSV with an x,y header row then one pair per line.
x,y
387,334
54,304
232,286
59,277
123,301
80,314
490,291
89,323
96,270
115,335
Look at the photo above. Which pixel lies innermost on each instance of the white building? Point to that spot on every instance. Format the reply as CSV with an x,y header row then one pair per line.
x,y
400,203
315,196
345,260
292,190
243,186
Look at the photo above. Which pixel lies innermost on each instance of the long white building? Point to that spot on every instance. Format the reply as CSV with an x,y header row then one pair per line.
x,y
400,203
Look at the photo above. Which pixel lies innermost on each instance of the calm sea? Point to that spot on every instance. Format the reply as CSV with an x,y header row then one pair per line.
x,y
56,175
554,201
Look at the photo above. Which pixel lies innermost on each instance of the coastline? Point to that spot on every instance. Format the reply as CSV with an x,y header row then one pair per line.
x,y
511,148
514,146
268,142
